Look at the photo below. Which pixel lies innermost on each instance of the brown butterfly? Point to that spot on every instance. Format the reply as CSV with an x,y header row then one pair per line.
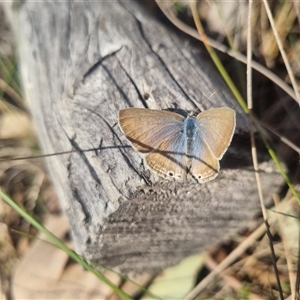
x,y
176,147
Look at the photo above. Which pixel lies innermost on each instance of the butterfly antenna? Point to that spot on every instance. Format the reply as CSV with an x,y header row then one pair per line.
x,y
208,99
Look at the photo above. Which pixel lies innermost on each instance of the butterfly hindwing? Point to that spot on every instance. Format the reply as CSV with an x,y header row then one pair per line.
x,y
204,165
169,160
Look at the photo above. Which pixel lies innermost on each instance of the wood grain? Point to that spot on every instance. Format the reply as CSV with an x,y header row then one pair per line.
x,y
83,61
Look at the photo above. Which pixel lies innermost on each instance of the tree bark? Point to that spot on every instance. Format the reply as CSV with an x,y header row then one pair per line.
x,y
83,61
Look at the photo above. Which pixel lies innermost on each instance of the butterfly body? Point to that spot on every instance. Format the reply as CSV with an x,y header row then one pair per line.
x,y
176,147
190,134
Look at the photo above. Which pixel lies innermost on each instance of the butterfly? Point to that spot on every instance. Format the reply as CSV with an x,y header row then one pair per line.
x,y
178,147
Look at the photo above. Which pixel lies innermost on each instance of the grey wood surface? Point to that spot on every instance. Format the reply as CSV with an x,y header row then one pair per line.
x,y
83,61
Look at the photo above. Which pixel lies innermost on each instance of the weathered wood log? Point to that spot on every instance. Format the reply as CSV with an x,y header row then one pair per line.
x,y
83,61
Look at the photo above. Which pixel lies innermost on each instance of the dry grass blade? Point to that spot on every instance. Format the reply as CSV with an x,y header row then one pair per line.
x,y
227,261
215,58
165,7
249,58
253,146
13,94
248,263
287,252
283,54
231,281
297,9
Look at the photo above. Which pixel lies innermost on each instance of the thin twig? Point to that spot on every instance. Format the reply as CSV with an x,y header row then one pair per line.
x,y
273,256
253,146
282,138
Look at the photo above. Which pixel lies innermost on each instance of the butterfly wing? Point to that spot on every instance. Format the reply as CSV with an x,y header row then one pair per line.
x,y
146,129
215,129
158,134
204,165
169,160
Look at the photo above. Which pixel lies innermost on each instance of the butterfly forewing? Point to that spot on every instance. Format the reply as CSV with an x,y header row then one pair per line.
x,y
216,127
146,129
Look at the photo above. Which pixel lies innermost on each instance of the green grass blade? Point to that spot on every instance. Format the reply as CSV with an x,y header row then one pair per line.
x,y
57,242
240,99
